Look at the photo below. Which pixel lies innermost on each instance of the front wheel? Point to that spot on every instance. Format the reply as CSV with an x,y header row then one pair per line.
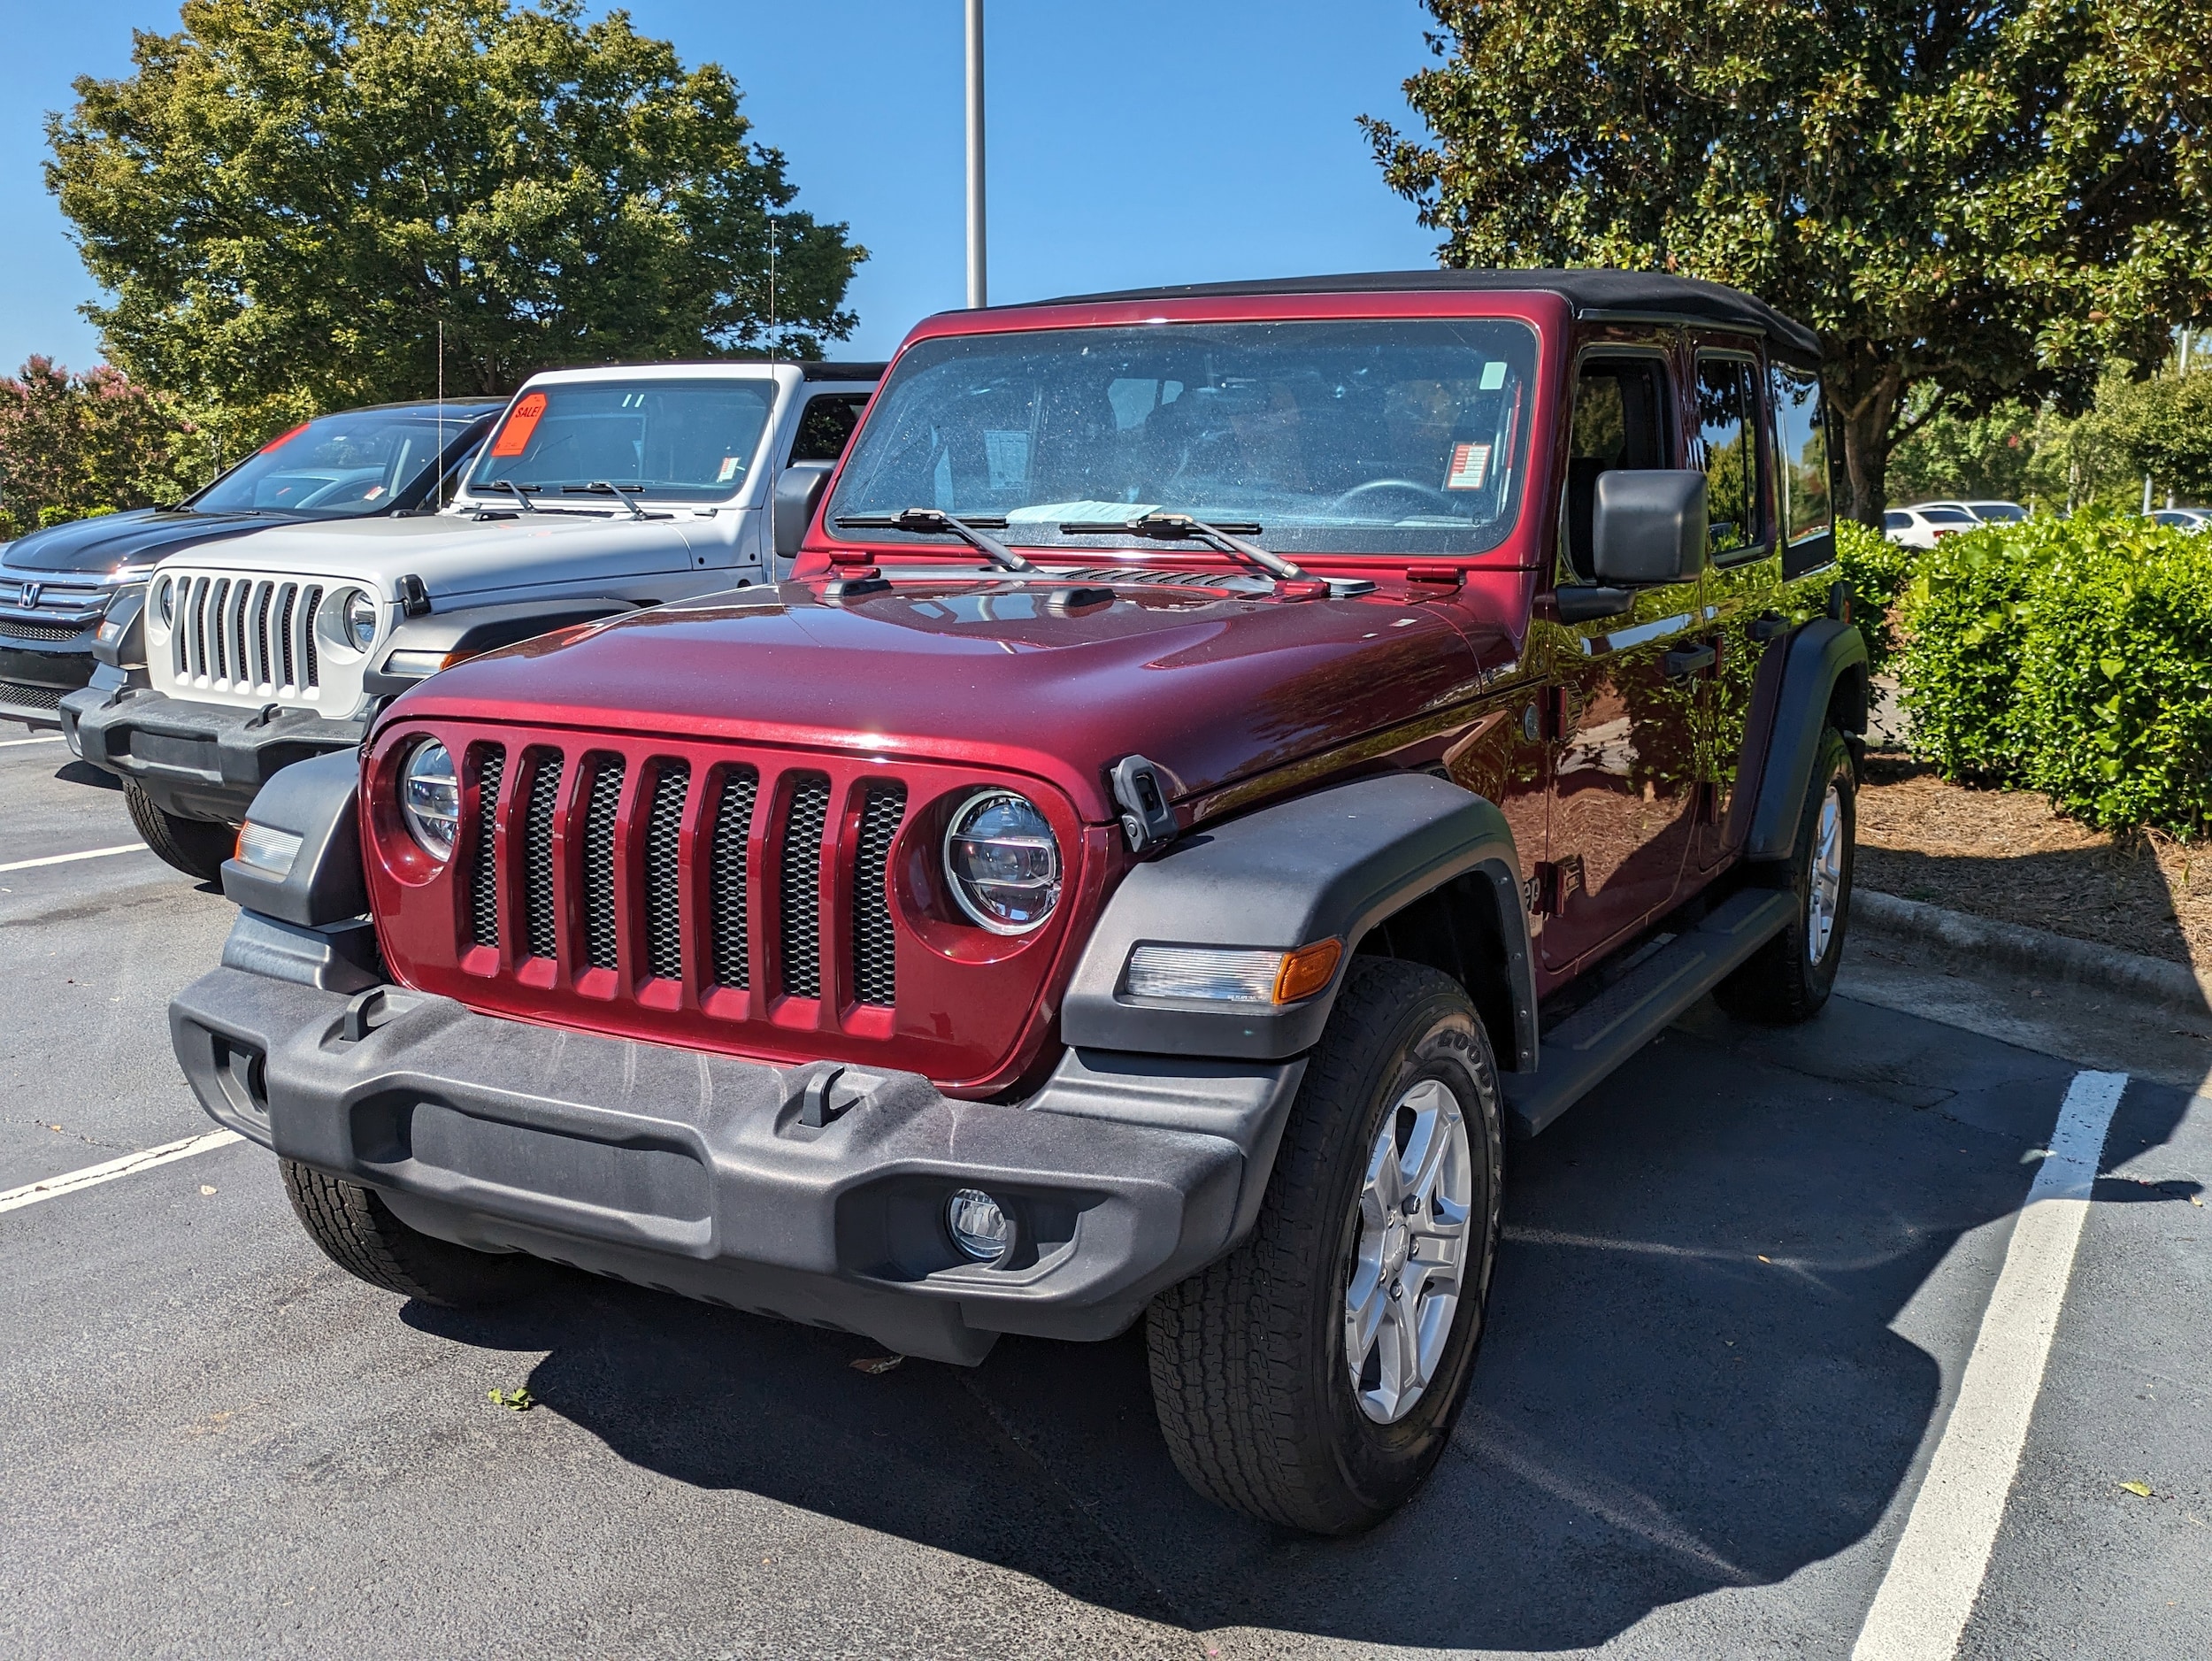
x,y
1789,980
197,846
360,1233
1312,1376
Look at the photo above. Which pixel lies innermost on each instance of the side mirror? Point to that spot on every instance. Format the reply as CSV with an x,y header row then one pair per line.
x,y
1649,526
798,494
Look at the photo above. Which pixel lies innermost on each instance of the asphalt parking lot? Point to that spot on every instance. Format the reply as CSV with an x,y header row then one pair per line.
x,y
1740,1291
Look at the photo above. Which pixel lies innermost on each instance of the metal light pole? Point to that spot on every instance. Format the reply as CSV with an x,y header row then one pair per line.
x,y
977,286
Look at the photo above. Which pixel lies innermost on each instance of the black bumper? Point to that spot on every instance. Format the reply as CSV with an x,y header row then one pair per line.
x,y
197,760
36,674
697,1173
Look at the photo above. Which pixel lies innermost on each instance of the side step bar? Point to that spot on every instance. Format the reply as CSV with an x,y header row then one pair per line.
x,y
1578,1053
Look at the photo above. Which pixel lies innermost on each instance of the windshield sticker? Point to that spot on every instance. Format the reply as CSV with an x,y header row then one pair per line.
x,y
1008,454
727,471
371,493
1471,465
1492,376
515,436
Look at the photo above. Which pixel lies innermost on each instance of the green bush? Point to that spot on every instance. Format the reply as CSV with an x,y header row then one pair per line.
x,y
1877,571
2072,656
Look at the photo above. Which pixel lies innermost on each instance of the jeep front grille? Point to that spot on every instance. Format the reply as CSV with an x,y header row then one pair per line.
x,y
641,866
246,633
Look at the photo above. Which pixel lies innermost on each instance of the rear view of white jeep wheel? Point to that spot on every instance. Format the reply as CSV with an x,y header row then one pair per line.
x,y
1311,1377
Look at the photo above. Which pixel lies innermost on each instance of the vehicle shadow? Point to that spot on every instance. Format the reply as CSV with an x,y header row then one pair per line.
x,y
1690,1381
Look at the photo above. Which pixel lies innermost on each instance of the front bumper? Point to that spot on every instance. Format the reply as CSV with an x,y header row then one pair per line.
x,y
699,1174
36,673
197,760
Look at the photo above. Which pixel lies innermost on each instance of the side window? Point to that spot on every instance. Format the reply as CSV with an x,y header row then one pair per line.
x,y
1728,438
826,424
1800,452
1619,421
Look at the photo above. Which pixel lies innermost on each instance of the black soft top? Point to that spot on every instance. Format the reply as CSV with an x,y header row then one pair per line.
x,y
1625,295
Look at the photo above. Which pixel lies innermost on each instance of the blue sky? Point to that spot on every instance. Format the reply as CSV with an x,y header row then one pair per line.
x,y
1141,141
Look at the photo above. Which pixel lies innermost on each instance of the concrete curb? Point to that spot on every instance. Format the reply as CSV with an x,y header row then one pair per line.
x,y
2035,951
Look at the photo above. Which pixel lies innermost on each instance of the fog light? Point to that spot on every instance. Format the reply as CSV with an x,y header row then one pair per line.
x,y
979,1226
268,849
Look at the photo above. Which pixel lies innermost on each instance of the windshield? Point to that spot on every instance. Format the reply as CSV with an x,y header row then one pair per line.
x,y
340,465
682,440
1334,437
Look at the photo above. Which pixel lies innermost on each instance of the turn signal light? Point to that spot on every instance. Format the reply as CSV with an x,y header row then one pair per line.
x,y
1213,975
1307,970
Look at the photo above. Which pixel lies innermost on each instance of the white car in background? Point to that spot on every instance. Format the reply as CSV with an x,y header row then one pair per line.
x,y
1920,527
2184,519
1989,512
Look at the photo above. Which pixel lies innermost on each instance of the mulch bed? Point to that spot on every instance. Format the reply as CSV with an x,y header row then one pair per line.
x,y
2004,854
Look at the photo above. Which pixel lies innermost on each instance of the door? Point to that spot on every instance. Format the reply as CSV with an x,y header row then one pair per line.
x,y
1623,777
1743,580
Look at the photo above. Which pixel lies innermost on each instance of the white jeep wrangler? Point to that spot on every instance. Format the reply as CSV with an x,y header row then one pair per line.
x,y
600,491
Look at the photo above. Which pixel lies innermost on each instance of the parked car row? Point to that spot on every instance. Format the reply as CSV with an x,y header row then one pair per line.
x,y
1217,762
196,652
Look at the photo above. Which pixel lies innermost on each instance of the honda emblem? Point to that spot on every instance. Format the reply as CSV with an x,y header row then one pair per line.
x,y
31,591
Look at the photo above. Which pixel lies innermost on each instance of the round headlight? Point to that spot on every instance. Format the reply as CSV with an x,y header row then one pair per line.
x,y
1004,862
360,616
430,798
166,597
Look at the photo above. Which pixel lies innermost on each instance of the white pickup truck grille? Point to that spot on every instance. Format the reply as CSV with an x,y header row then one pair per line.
x,y
247,634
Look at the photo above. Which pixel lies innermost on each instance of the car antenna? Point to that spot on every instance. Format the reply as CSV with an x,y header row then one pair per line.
x,y
438,490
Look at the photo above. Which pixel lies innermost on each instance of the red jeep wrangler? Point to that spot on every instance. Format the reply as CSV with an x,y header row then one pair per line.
x,y
1229,757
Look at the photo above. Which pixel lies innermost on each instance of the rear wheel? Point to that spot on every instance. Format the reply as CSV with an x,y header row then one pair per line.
x,y
360,1233
1311,1377
197,846
1790,978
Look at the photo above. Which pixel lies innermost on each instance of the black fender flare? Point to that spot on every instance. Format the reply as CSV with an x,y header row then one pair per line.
x,y
1330,865
467,630
313,800
1820,657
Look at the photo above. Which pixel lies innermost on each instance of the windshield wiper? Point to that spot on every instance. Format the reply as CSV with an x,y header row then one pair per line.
x,y
514,489
601,486
926,519
1180,527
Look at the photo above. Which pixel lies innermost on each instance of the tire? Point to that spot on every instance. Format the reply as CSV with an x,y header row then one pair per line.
x,y
1250,1379
359,1234
197,846
1789,978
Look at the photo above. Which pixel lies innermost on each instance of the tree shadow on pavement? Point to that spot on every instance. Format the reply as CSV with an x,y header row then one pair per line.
x,y
1690,1380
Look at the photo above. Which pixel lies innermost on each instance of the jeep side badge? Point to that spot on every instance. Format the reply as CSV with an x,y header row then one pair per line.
x,y
1146,816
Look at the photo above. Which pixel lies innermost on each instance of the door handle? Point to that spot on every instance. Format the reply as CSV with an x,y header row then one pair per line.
x,y
1688,660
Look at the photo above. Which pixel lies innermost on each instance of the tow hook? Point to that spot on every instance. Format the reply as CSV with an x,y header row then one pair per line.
x,y
1146,819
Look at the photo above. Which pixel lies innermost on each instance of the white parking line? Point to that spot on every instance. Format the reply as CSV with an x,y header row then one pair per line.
x,y
90,853
1921,1610
14,743
92,1176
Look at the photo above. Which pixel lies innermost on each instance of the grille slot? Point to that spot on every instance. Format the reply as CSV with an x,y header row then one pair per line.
x,y
40,631
491,766
599,937
540,904
217,603
28,696
310,603
875,956
664,873
799,887
725,894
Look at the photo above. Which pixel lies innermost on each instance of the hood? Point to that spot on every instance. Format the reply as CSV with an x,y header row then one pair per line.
x,y
1211,683
109,540
458,554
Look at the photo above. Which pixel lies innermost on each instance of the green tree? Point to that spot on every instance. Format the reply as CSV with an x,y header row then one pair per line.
x,y
74,445
287,199
1978,456
1981,200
